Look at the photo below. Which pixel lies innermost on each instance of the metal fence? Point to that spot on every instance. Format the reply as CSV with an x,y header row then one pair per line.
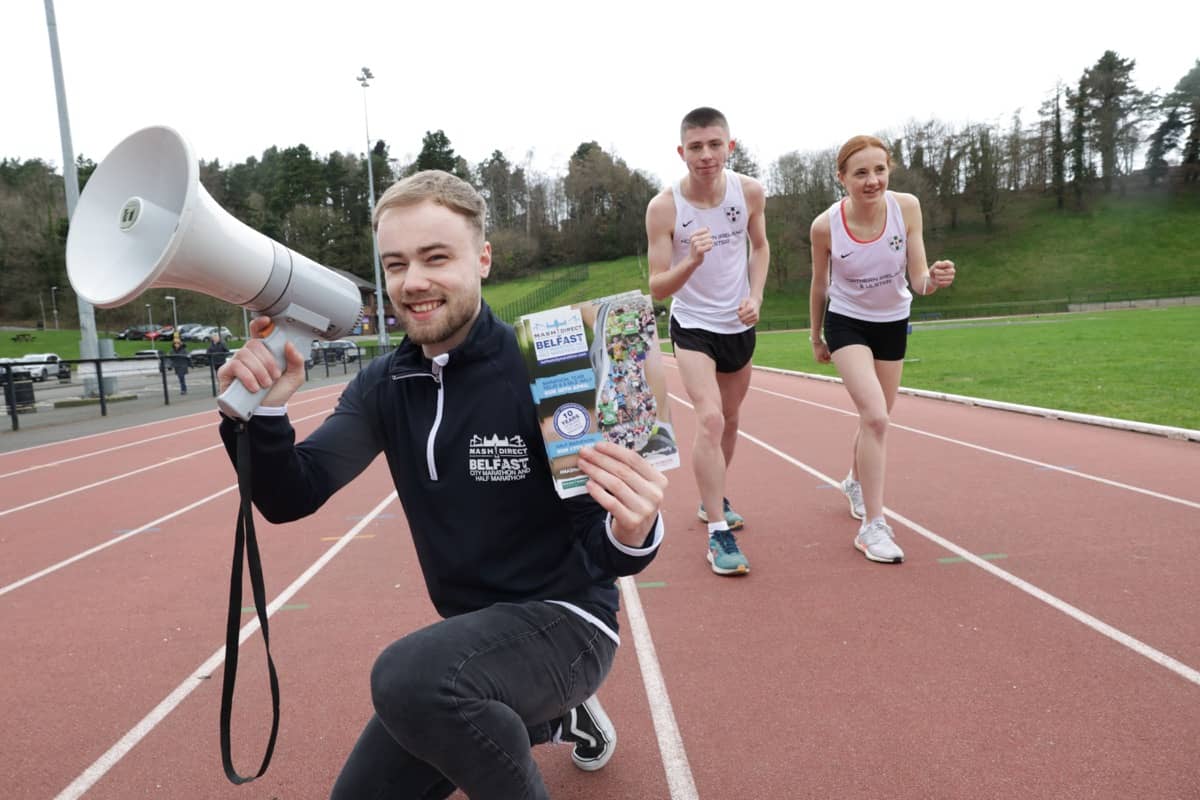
x,y
539,299
52,392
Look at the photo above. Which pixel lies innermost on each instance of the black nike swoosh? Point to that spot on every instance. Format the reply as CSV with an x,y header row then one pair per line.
x,y
846,255
689,222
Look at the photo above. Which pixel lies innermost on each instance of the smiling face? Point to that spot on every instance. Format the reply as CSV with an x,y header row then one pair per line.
x,y
705,150
434,262
865,174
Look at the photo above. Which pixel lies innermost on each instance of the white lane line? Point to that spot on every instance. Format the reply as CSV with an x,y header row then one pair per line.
x,y
88,778
94,484
115,540
206,426
137,471
152,525
1103,628
670,742
994,452
115,431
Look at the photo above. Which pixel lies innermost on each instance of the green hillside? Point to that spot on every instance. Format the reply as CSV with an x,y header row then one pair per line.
x,y
1036,259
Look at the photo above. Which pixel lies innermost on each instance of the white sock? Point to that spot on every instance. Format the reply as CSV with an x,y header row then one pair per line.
x,y
713,527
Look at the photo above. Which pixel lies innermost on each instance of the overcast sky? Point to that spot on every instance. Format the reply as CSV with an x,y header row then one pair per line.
x,y
541,77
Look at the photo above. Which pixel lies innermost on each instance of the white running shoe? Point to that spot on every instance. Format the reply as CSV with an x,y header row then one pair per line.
x,y
853,491
592,732
877,542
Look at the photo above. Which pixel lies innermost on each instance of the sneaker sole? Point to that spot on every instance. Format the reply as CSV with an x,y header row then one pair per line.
x,y
741,569
737,526
853,513
610,733
876,559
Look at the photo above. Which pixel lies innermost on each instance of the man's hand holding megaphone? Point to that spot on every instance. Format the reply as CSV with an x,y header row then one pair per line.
x,y
256,367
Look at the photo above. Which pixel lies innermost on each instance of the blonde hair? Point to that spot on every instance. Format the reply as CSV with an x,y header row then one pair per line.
x,y
860,143
439,187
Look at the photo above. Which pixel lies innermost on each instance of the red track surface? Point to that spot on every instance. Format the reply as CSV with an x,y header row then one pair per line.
x,y
820,675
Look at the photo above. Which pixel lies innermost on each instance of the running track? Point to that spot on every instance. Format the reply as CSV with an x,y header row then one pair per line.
x,y
1042,639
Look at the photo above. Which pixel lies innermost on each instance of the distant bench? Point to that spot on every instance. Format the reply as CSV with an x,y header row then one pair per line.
x,y
23,337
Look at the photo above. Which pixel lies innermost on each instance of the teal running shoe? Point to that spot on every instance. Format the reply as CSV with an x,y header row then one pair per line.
x,y
724,555
732,518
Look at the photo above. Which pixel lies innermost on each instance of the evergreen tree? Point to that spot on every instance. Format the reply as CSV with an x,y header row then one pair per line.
x,y
1058,164
1186,100
436,153
1114,106
1077,101
742,162
1164,139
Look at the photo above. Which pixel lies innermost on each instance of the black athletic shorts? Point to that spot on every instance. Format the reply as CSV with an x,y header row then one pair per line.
x,y
887,340
731,351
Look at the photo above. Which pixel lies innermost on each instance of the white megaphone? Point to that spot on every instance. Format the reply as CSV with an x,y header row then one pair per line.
x,y
144,221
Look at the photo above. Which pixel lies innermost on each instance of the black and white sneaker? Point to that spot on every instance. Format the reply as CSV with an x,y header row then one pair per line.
x,y
592,732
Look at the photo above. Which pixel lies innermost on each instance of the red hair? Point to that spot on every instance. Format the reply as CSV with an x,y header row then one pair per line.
x,y
860,143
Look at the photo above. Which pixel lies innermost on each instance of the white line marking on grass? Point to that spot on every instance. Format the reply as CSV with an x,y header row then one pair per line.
x,y
1168,431
670,742
102,765
994,452
1103,628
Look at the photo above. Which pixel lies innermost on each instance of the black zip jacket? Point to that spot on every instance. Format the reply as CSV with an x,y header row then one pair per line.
x,y
466,454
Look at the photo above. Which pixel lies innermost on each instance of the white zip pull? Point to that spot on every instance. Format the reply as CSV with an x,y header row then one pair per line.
x,y
439,362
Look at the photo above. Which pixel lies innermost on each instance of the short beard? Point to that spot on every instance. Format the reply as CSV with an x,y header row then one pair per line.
x,y
456,318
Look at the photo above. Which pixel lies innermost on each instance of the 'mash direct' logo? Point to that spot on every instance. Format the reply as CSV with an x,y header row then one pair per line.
x,y
557,334
498,459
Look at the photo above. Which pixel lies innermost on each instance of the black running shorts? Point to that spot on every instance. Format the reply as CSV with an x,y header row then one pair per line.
x,y
730,351
888,340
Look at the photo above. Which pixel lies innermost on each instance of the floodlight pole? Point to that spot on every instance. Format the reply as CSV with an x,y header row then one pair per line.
x,y
381,325
89,347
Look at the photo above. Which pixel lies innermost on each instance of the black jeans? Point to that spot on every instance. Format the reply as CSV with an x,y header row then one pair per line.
x,y
461,703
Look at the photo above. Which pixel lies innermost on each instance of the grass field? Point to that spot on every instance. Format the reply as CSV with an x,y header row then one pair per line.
x,y
1137,364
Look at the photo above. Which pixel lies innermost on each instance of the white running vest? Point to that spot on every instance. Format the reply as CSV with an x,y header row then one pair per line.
x,y
712,294
868,280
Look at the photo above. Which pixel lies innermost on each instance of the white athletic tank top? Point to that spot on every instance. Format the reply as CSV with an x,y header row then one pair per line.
x,y
711,296
868,280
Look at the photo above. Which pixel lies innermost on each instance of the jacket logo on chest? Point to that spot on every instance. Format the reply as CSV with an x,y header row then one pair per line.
x,y
497,459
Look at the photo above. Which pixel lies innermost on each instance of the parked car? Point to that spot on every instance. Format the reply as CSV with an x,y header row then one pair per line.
x,y
188,330
46,365
199,357
163,333
332,352
137,331
204,333
18,370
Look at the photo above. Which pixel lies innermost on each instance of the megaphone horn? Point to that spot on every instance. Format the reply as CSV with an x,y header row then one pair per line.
x,y
144,221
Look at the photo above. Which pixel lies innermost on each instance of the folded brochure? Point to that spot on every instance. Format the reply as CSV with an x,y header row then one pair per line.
x,y
596,372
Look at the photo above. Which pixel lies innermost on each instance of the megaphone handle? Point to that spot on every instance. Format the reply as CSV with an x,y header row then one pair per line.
x,y
239,402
